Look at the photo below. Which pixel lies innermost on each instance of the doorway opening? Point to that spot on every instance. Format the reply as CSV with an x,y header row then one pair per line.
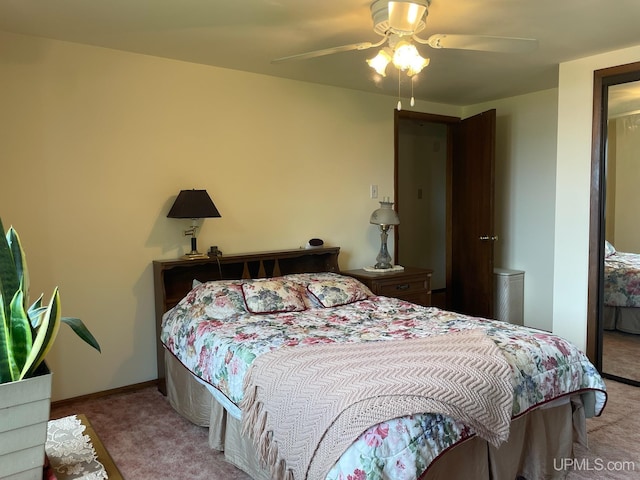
x,y
422,196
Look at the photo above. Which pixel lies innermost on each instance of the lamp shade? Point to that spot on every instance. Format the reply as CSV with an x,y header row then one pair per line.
x,y
385,215
193,204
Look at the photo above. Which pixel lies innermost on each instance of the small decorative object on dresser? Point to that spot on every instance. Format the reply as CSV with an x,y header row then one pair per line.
x,y
315,243
412,284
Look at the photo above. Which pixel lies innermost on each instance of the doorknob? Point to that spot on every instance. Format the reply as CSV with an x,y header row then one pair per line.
x,y
486,237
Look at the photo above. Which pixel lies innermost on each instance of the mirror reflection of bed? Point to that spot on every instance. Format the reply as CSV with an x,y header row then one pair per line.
x,y
621,321
621,325
621,316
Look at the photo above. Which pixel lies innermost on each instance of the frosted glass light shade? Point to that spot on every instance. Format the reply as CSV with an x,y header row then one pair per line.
x,y
380,61
385,215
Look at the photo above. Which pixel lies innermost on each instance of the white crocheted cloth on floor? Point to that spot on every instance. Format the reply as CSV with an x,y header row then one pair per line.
x,y
70,452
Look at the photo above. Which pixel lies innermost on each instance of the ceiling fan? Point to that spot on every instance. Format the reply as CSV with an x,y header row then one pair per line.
x,y
399,22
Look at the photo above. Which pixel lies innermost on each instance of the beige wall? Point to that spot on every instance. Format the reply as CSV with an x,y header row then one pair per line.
x,y
96,143
571,250
627,227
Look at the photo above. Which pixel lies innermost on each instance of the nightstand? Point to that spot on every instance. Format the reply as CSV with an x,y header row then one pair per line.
x,y
413,284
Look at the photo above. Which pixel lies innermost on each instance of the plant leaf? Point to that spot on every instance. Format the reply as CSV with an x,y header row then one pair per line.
x,y
20,261
35,312
45,337
8,369
82,331
9,282
19,331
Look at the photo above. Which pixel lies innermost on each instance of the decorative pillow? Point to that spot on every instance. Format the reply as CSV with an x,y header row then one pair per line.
x,y
272,296
219,299
608,249
304,279
339,291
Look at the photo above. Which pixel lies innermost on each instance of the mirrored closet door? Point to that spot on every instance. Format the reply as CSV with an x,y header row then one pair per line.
x,y
613,313
621,275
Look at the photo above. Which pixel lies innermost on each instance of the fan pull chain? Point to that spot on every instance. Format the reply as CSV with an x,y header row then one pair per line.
x,y
413,100
399,102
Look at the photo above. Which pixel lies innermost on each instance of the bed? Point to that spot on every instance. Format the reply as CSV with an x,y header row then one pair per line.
x,y
238,353
621,290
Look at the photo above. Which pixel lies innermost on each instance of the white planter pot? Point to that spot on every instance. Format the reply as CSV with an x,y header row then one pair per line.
x,y
24,413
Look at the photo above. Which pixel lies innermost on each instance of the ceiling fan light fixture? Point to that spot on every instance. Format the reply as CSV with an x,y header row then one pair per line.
x,y
405,17
380,61
417,66
407,58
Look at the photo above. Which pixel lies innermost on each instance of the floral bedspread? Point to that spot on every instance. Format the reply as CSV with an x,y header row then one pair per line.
x,y
622,280
220,351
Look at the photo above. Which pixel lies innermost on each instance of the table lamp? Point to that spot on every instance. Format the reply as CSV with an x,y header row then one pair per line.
x,y
385,217
193,204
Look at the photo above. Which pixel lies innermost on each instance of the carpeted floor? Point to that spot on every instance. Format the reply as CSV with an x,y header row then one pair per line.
x,y
620,354
148,440
614,452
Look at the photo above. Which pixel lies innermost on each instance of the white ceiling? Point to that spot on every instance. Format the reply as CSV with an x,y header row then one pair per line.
x,y
248,34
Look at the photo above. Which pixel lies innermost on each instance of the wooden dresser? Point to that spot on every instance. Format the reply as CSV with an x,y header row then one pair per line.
x,y
413,284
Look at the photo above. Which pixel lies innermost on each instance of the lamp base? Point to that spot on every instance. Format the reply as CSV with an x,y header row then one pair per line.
x,y
194,256
194,253
393,268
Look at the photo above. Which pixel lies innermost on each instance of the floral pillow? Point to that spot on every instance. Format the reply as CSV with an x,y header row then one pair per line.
x,y
339,291
608,249
272,296
304,279
219,299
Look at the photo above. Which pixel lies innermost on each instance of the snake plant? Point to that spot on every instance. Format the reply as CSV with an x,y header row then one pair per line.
x,y
26,332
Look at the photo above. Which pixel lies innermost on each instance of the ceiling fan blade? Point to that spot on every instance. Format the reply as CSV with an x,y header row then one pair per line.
x,y
483,43
326,51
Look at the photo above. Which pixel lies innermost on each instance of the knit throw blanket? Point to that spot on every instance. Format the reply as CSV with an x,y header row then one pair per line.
x,y
303,407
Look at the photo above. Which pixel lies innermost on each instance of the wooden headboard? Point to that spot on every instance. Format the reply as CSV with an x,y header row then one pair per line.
x,y
173,279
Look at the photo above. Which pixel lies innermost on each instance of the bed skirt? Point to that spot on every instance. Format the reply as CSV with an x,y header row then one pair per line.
x,y
536,440
624,319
